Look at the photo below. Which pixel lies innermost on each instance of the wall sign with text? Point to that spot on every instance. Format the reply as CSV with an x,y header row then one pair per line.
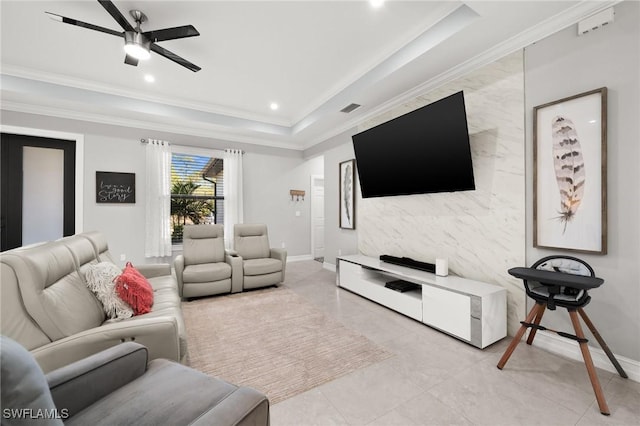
x,y
112,187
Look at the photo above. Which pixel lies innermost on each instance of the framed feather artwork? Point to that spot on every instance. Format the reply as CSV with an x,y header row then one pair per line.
x,y
347,195
570,173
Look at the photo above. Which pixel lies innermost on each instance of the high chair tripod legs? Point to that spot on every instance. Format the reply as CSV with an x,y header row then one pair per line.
x,y
533,321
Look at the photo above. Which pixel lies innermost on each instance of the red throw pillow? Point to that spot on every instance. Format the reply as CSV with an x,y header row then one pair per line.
x,y
133,288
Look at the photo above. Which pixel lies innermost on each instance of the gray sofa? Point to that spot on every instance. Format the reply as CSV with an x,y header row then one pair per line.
x,y
118,387
47,307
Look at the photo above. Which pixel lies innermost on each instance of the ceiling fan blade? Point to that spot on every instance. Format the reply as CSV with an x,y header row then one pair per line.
x,y
172,33
77,23
175,58
115,13
130,60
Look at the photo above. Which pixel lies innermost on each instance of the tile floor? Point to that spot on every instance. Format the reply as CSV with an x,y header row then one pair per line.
x,y
434,379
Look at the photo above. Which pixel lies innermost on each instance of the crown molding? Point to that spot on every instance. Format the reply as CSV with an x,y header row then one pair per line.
x,y
447,26
544,29
558,22
442,13
39,92
78,83
207,131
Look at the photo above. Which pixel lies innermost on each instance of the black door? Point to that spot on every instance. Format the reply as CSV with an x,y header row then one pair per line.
x,y
11,184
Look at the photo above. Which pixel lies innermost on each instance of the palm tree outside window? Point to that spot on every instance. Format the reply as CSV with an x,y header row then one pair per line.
x,y
196,192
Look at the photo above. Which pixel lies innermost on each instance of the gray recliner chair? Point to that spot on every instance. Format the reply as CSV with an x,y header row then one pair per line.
x,y
118,387
262,266
204,268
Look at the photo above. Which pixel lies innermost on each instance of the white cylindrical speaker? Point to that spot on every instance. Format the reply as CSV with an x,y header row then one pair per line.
x,y
442,267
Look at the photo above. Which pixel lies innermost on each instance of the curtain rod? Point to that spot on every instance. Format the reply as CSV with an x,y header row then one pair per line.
x,y
241,150
146,141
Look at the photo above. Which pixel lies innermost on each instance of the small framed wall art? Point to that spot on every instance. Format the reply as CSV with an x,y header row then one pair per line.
x,y
570,173
112,187
347,209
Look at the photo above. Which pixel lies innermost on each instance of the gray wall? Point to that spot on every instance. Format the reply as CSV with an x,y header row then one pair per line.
x,y
123,224
481,232
565,64
268,177
337,240
559,66
267,182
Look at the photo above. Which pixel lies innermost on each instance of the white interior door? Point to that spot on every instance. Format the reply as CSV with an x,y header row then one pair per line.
x,y
317,216
43,194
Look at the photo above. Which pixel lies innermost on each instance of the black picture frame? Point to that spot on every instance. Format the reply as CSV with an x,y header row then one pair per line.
x,y
115,188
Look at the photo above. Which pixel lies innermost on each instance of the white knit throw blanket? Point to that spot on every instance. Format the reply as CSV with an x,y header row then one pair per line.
x,y
101,281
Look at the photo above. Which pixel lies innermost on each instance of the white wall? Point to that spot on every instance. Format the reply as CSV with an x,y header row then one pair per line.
x,y
481,232
122,224
566,64
337,240
43,194
269,174
267,182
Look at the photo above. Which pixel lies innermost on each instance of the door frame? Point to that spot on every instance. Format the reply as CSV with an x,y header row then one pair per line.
x,y
79,166
313,242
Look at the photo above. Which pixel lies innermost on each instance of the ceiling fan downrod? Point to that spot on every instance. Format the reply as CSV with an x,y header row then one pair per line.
x,y
139,17
137,45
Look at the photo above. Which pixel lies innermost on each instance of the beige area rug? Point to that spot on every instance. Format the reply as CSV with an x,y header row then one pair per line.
x,y
272,340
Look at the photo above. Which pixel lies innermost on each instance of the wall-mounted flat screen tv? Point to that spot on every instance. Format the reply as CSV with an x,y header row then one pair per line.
x,y
424,151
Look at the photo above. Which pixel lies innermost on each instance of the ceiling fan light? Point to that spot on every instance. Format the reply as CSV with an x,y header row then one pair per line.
x,y
136,45
137,51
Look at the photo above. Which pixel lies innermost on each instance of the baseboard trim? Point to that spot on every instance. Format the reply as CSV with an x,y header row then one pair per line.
x,y
570,349
299,258
330,266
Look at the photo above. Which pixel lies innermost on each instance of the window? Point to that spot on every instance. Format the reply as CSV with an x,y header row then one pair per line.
x,y
197,194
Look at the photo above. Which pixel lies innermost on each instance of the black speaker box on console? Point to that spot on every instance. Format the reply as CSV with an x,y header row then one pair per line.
x,y
408,262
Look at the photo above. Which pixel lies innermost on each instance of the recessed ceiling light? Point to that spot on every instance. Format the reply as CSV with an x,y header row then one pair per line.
x,y
149,78
376,3
273,106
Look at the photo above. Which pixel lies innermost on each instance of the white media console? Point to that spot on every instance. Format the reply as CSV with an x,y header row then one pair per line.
x,y
472,311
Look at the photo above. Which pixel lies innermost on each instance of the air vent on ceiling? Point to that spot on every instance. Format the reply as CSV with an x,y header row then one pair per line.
x,y
350,108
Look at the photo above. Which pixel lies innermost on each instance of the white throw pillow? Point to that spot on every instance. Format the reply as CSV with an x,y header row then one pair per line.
x,y
100,279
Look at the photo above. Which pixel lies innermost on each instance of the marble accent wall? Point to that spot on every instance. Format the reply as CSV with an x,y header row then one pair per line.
x,y
481,232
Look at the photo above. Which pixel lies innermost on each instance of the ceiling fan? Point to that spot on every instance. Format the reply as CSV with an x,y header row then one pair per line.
x,y
138,44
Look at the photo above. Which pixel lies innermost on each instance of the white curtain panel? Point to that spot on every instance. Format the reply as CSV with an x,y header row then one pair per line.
x,y
158,199
232,193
